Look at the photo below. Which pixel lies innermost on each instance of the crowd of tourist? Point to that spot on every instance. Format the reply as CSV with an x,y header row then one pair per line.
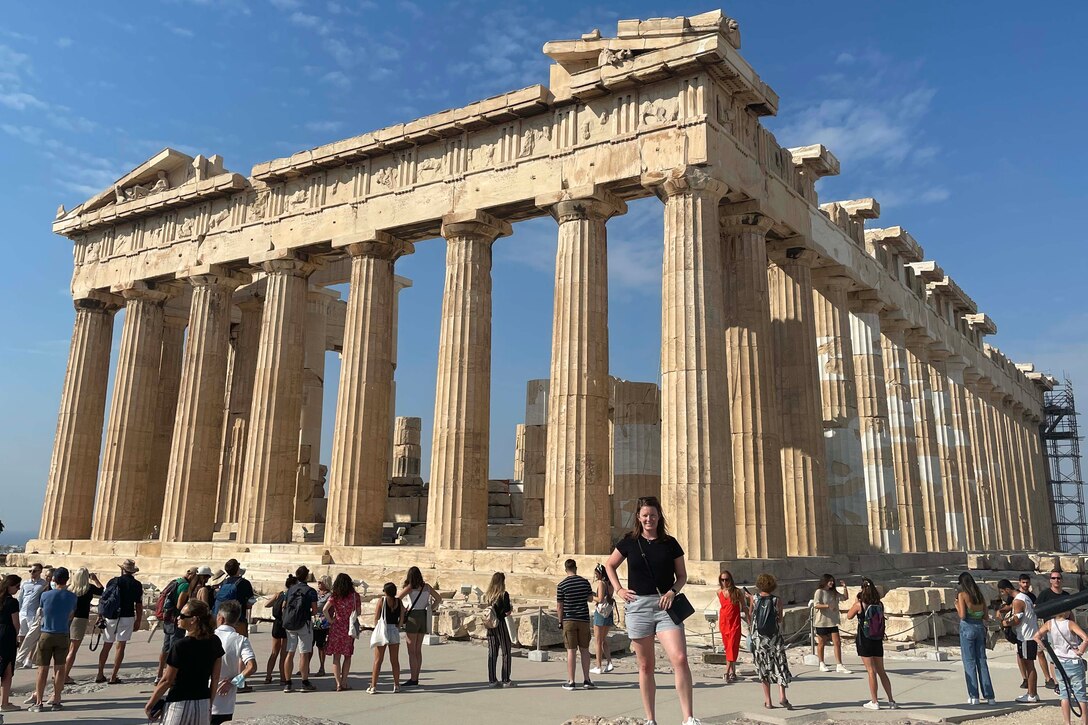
x,y
207,657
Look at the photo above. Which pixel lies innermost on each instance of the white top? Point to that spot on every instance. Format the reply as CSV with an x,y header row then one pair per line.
x,y
827,617
1063,641
236,652
1029,623
30,597
421,599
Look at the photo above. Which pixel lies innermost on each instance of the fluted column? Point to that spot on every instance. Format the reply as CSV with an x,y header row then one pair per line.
x,y
1045,535
964,453
1024,483
407,453
955,524
986,449
73,469
308,475
845,469
793,324
1017,494
999,454
268,485
576,501
121,505
358,482
928,449
236,428
198,428
457,505
755,422
696,474
175,320
880,487
987,522
901,428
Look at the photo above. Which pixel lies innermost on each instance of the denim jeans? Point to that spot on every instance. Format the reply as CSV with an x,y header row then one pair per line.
x,y
973,652
1074,669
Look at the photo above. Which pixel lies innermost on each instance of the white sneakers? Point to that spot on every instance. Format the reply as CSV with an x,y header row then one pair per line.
x,y
597,670
871,705
841,669
972,701
692,721
609,667
1027,698
824,668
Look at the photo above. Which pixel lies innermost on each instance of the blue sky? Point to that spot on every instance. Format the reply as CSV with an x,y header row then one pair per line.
x,y
967,126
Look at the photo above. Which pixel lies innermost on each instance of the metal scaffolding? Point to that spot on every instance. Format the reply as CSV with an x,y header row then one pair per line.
x,y
1061,444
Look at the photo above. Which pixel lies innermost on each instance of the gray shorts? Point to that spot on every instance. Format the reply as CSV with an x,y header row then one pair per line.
x,y
645,617
301,640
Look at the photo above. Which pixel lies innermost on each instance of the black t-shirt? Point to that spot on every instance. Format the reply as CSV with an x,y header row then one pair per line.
x,y
83,603
131,592
502,607
661,553
1047,595
8,633
194,659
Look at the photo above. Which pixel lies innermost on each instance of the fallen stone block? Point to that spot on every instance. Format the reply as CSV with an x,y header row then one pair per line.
x,y
1021,562
1045,563
905,600
978,562
908,628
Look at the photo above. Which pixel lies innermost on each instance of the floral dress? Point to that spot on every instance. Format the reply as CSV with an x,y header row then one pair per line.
x,y
769,654
340,641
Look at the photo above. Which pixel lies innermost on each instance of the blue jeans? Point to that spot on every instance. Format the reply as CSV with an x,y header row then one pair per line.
x,y
1075,670
973,652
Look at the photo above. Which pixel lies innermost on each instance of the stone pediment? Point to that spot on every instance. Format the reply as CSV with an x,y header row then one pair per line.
x,y
168,178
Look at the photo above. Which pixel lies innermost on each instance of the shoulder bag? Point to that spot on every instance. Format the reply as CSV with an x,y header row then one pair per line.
x,y
681,608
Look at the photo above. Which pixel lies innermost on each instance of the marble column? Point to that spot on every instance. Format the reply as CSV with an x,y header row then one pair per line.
x,y
457,504
407,453
876,447
908,484
192,476
358,475
987,451
1025,484
983,484
173,348
964,453
246,346
955,525
73,469
266,514
1045,534
796,369
576,479
636,448
1006,412
755,422
308,475
842,437
532,454
925,435
696,476
999,452
120,507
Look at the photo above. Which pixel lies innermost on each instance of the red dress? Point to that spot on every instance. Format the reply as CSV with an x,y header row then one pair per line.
x,y
729,625
340,641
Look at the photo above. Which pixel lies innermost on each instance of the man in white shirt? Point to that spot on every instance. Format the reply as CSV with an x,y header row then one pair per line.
x,y
238,659
30,623
1024,622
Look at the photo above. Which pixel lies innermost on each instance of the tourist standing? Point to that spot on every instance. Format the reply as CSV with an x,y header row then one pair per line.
x,y
768,649
733,606
30,625
1052,592
200,590
235,588
85,586
279,634
572,605
418,598
299,608
193,664
387,612
1068,641
656,572
343,603
57,609
9,638
604,611
498,637
122,607
870,641
239,661
971,606
1021,617
321,622
174,596
825,620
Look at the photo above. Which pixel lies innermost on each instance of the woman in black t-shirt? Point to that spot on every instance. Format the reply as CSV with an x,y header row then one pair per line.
x,y
191,666
279,634
656,573
86,587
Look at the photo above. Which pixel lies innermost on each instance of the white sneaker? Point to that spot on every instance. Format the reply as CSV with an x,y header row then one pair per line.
x,y
842,670
871,705
991,701
1027,698
692,721
596,670
824,668
609,667
972,701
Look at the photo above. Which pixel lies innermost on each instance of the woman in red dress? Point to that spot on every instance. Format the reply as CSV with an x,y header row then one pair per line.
x,y
343,602
735,603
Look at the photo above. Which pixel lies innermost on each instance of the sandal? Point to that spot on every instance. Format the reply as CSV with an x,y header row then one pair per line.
x,y
268,679
786,704
116,681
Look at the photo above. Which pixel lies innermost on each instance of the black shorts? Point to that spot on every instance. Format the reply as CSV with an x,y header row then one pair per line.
x,y
321,637
826,631
869,647
1027,651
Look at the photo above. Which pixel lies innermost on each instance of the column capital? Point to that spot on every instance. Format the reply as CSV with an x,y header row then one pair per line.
x,y
377,244
582,202
478,224
285,261
141,291
791,251
98,300
971,377
745,216
212,275
865,301
892,319
919,341
684,180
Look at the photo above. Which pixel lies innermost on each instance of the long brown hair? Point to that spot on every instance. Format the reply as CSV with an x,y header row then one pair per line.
x,y
869,594
735,594
970,588
662,526
495,589
202,617
11,580
414,580
342,586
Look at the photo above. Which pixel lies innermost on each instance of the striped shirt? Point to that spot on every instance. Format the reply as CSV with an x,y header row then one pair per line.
x,y
574,593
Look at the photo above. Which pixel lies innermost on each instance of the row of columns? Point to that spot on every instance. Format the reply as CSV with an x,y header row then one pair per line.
x,y
764,348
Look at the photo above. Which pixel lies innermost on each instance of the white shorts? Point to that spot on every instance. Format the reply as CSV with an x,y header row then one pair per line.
x,y
301,640
119,630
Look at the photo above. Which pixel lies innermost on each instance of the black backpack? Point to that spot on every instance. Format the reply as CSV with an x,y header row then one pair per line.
x,y
766,616
297,609
109,604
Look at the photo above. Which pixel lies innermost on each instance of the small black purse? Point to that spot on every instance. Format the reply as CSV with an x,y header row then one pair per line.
x,y
681,608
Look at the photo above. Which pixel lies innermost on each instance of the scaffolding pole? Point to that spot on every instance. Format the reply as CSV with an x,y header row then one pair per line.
x,y
1061,444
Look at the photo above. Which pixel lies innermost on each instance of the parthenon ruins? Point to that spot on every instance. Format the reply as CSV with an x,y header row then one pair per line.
x,y
825,389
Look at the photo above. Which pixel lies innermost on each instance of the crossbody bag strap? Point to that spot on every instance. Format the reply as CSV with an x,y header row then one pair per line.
x,y
648,567
421,590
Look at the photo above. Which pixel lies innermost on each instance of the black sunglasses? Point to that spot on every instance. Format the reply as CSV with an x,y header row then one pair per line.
x,y
186,616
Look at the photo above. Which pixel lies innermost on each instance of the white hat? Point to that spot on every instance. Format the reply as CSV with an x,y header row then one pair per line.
x,y
204,571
